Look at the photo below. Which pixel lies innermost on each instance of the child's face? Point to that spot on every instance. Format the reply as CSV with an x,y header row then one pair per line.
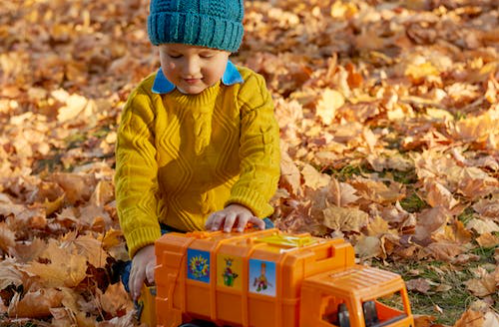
x,y
191,68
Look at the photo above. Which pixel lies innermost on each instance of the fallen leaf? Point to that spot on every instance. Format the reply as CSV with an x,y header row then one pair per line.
x,y
329,103
345,219
7,238
483,286
368,247
65,268
487,240
35,304
470,318
420,285
313,178
482,226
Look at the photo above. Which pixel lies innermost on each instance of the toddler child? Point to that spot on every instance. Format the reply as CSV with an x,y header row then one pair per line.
x,y
198,143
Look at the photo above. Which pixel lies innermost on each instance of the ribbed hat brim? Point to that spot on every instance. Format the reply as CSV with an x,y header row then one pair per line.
x,y
194,29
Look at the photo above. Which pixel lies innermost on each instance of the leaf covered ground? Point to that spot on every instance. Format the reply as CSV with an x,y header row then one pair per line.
x,y
389,117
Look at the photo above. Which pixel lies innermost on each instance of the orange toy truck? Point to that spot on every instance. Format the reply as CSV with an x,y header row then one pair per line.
x,y
268,278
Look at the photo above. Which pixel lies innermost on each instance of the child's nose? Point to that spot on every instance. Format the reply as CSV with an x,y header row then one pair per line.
x,y
191,67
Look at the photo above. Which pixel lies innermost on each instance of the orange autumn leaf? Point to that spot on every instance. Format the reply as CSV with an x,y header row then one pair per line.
x,y
35,304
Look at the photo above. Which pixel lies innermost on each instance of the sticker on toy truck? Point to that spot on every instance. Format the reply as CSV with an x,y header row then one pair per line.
x,y
198,265
262,277
229,270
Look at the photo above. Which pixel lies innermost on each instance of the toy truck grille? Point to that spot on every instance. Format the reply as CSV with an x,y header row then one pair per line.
x,y
269,279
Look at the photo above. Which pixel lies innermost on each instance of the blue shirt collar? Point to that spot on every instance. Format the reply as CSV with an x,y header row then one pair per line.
x,y
162,85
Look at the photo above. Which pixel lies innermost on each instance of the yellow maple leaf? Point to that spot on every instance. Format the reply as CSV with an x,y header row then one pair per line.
x,y
65,268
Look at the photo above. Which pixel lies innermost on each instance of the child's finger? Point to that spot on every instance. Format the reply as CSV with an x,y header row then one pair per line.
x,y
209,222
150,273
136,281
258,222
241,225
230,219
217,221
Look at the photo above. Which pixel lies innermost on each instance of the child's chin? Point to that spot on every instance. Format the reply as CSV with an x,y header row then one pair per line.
x,y
192,90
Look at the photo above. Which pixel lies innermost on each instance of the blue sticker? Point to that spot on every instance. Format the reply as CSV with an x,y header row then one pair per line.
x,y
262,277
198,265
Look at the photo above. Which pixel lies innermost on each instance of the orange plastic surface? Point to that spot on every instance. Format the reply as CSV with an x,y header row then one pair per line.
x,y
255,278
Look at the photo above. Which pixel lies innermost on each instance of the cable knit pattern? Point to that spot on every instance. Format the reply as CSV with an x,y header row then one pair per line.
x,y
181,157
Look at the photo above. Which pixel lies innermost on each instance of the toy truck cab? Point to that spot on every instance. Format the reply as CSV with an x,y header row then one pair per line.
x,y
353,297
271,279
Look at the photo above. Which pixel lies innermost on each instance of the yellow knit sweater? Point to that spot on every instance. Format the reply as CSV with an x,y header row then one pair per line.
x,y
181,157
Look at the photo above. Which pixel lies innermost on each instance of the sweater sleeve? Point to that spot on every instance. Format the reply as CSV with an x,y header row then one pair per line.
x,y
259,149
136,173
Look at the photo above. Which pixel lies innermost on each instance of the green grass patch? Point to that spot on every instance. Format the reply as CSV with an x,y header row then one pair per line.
x,y
466,216
413,203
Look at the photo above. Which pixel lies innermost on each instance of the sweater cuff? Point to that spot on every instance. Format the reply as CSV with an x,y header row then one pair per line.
x,y
252,200
140,238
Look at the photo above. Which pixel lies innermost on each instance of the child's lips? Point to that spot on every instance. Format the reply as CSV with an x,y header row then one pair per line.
x,y
192,80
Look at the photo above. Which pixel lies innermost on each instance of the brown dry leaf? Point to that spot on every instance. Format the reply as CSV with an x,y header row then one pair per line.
x,y
329,103
29,251
103,193
76,187
455,233
290,174
313,178
115,299
487,240
10,273
484,285
368,247
341,194
476,129
445,251
487,207
377,191
87,246
423,321
345,219
482,226
65,268
7,238
420,285
470,319
378,227
431,222
35,304
438,195
491,319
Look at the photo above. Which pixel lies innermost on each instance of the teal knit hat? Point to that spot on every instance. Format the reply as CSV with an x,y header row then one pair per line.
x,y
208,23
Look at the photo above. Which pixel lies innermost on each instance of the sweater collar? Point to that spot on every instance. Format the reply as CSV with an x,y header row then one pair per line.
x,y
162,85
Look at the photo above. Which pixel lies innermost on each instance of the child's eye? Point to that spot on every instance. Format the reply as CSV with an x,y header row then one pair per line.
x,y
174,56
206,55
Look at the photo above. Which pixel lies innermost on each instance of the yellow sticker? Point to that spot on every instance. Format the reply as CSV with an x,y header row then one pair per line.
x,y
229,269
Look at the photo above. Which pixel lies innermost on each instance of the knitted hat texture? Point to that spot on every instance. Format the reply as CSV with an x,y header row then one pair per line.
x,y
208,23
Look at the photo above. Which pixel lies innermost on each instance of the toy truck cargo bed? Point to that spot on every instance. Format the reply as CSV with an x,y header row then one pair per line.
x,y
266,279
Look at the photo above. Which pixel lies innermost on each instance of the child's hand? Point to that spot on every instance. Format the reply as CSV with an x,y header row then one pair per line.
x,y
227,218
143,264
